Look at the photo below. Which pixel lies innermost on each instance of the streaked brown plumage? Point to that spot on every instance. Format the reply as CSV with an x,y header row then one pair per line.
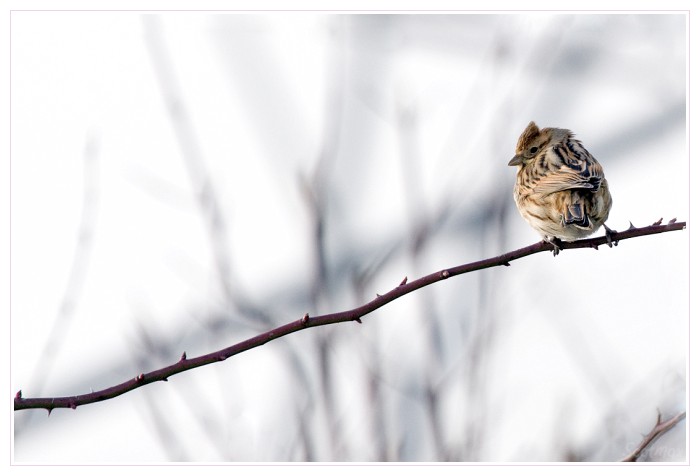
x,y
560,188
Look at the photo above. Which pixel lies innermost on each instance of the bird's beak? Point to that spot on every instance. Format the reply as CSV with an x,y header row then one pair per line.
x,y
517,160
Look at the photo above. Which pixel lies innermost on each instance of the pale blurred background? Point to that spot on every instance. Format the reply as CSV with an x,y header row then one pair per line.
x,y
184,181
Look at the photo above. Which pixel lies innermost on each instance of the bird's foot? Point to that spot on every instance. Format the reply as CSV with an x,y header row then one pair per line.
x,y
556,245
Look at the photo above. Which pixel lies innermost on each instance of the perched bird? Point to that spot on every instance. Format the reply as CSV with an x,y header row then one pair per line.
x,y
560,189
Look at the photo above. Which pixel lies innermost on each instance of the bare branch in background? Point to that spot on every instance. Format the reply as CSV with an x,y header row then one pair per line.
x,y
659,429
306,321
203,185
79,266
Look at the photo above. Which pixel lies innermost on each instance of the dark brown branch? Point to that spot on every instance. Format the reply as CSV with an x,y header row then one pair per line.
x,y
306,321
659,429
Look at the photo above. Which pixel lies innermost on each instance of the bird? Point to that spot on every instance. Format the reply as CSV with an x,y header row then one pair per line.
x,y
560,188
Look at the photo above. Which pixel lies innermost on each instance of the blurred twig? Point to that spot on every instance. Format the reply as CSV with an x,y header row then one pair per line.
x,y
203,184
659,429
307,321
415,200
79,266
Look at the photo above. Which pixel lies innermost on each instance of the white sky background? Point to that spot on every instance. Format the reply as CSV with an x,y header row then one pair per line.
x,y
418,116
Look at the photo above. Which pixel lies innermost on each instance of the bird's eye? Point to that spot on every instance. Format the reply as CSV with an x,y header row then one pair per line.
x,y
533,150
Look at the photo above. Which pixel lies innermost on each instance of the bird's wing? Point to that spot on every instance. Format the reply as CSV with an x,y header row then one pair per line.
x,y
580,171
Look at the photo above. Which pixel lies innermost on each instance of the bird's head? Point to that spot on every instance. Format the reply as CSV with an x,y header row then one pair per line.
x,y
533,140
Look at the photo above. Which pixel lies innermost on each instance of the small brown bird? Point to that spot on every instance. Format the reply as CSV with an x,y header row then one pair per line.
x,y
560,188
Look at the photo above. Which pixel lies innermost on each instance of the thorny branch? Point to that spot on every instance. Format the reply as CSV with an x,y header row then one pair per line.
x,y
659,429
405,287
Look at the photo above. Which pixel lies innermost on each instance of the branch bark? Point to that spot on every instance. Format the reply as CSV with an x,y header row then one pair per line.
x,y
405,287
659,429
